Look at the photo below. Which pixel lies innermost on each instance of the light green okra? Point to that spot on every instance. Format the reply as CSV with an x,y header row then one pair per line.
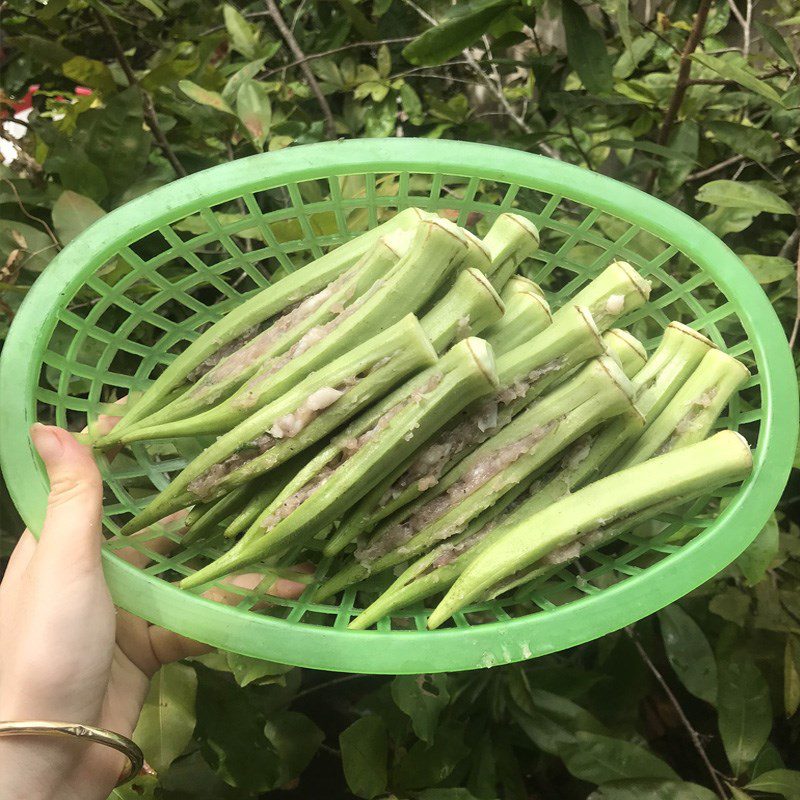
x,y
322,308
511,240
724,458
598,392
627,349
203,519
264,305
298,419
470,306
361,454
527,314
412,281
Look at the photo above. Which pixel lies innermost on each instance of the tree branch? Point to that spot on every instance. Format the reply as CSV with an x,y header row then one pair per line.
x,y
147,101
693,734
302,59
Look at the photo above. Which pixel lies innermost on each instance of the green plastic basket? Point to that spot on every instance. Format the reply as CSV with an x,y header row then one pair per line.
x,y
124,297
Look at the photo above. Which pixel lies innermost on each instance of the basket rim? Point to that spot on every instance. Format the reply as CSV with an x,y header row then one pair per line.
x,y
398,652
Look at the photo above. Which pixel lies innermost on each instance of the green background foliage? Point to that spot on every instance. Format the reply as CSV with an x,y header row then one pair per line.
x,y
698,702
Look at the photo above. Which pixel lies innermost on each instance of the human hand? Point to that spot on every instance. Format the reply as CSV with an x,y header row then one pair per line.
x,y
67,654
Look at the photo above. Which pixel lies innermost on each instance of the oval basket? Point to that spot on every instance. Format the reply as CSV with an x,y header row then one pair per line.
x,y
116,304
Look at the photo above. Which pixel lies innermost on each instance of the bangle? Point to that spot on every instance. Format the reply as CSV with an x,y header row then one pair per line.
x,y
98,735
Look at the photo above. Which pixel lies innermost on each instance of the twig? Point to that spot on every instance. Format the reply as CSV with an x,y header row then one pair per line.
x,y
147,101
291,43
693,734
325,53
27,213
790,243
796,326
746,21
684,70
704,173
584,154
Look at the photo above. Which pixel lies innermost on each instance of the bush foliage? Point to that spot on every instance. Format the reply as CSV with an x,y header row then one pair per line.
x,y
695,101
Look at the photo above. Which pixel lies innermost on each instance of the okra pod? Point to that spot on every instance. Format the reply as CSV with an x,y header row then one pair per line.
x,y
295,421
691,413
527,313
264,305
204,517
320,309
511,240
361,455
524,373
598,392
626,349
616,291
470,306
409,285
676,476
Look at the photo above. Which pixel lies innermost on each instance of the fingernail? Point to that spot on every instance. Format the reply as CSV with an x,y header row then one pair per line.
x,y
46,441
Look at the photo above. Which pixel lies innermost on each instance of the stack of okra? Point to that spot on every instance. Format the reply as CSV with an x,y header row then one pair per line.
x,y
408,404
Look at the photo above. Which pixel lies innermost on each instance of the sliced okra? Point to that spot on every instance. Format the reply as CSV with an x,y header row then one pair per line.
x,y
361,455
527,313
469,307
627,349
598,392
693,471
204,517
267,303
295,421
511,240
616,291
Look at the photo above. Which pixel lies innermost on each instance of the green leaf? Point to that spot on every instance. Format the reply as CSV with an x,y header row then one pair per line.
x,y
447,39
622,18
243,36
422,698
745,713
777,43
602,759
38,249
761,552
723,221
750,196
143,787
384,62
586,49
749,141
73,213
785,782
295,739
380,118
240,77
652,790
412,105
204,96
633,54
744,76
791,676
248,670
88,72
365,751
767,269
167,720
689,653
445,794
153,7
255,111
647,147
426,765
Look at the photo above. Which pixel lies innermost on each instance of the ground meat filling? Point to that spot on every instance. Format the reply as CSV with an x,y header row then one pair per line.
x,y
348,448
398,535
249,395
231,347
521,387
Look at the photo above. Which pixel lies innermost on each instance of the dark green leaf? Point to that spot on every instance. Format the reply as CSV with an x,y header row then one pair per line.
x,y
652,790
422,698
586,49
73,213
601,759
777,43
295,739
785,782
767,269
761,552
647,147
143,787
364,747
743,75
446,794
427,765
167,720
749,196
745,713
749,141
689,653
791,676
447,39
248,670
88,72
36,248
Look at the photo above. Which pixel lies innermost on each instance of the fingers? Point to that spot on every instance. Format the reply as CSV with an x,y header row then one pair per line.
x,y
72,524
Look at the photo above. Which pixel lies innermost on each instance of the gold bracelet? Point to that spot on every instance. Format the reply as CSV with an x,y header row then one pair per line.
x,y
99,735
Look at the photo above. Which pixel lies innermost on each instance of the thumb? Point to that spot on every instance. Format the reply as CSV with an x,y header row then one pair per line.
x,y
72,523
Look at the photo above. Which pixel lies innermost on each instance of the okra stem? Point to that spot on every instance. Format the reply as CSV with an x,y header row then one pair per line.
x,y
626,349
511,240
361,455
469,307
692,471
616,291
691,413
527,313
599,391
262,306
298,419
